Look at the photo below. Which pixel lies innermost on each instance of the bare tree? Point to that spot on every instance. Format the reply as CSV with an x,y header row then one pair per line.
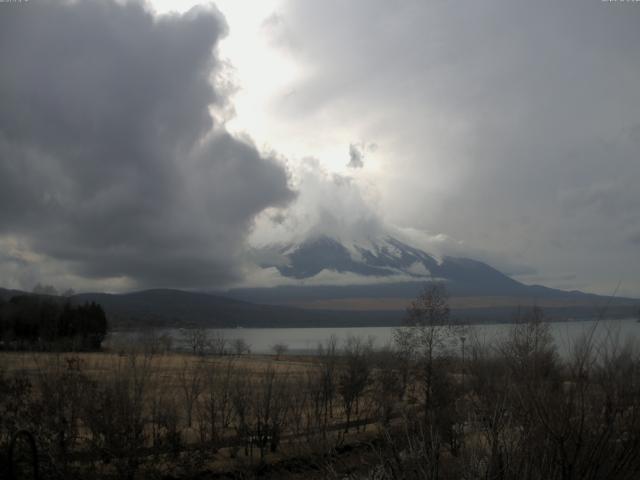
x,y
164,419
529,346
148,342
426,333
59,389
280,349
388,385
355,375
165,342
190,378
270,407
216,408
241,393
114,413
197,339
240,346
299,405
328,355
405,351
218,343
315,414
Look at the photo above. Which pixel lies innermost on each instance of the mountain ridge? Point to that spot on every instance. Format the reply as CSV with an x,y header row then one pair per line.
x,y
170,308
387,257
391,274
387,268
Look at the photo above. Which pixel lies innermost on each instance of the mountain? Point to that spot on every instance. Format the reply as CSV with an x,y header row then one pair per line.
x,y
327,282
391,258
385,274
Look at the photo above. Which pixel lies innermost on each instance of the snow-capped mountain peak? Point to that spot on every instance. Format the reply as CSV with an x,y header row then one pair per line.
x,y
379,258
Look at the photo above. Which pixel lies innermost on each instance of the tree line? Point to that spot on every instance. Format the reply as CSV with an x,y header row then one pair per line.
x,y
45,323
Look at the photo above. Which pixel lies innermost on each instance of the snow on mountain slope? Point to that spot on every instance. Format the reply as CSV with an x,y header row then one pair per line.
x,y
382,257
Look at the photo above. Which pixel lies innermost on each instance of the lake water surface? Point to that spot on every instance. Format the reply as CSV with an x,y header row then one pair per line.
x,y
306,340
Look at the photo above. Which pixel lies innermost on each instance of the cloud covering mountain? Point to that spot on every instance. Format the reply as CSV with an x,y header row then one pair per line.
x,y
113,169
512,125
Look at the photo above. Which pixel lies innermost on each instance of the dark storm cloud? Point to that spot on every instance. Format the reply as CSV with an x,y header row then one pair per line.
x,y
355,157
510,125
110,162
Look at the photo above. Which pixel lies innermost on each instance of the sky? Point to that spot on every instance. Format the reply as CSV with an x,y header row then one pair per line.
x,y
156,144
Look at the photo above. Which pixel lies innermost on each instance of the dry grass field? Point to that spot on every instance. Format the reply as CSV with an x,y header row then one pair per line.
x,y
354,412
180,413
165,365
396,304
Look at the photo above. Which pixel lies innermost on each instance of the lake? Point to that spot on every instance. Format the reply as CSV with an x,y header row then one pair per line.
x,y
306,340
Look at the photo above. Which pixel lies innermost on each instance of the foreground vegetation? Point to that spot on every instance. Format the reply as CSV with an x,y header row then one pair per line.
x,y
437,404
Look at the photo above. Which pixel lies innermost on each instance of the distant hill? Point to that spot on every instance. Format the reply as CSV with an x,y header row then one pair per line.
x,y
176,308
166,308
6,293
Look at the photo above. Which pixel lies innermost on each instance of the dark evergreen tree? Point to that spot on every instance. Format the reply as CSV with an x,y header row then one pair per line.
x,y
33,321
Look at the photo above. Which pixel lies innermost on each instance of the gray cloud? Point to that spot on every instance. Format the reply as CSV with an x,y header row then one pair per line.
x,y
510,125
355,157
111,166
326,203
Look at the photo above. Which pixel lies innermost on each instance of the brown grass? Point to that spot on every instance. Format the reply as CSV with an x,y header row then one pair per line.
x,y
399,303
